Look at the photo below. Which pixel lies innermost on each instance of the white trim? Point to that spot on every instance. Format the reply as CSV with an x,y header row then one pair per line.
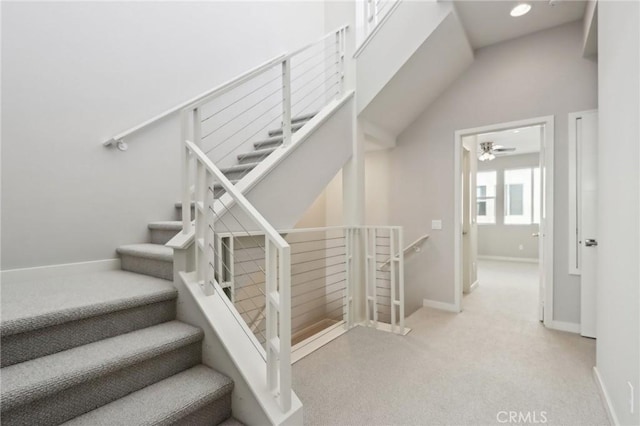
x,y
611,414
570,327
548,123
473,286
383,326
510,259
241,346
317,341
443,306
574,190
52,271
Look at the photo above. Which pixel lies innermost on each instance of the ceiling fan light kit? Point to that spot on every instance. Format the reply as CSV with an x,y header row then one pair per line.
x,y
488,150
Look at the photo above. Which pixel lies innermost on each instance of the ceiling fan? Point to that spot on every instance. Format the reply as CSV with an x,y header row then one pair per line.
x,y
488,150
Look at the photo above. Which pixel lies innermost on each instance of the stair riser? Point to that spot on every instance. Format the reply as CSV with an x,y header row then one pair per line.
x,y
294,128
212,414
152,267
179,212
237,175
22,347
91,394
162,236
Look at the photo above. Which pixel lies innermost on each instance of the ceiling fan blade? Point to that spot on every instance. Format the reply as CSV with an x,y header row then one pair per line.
x,y
502,149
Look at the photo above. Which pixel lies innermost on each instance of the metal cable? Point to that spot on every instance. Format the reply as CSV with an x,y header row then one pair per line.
x,y
279,76
243,112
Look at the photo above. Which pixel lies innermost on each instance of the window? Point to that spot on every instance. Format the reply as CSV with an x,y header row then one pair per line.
x,y
522,196
486,197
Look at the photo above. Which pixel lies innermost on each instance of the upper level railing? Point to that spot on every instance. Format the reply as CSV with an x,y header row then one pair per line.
x,y
372,16
291,85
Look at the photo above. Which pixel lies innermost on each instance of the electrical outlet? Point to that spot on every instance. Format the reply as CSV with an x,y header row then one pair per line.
x,y
436,224
631,399
521,247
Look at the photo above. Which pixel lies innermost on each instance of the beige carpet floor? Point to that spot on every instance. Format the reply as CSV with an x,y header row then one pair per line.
x,y
472,368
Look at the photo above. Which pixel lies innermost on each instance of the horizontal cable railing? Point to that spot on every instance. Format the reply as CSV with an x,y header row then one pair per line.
x,y
263,112
268,97
244,220
320,278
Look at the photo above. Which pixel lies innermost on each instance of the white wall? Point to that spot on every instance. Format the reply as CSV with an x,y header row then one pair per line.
x,y
75,73
505,240
536,75
618,306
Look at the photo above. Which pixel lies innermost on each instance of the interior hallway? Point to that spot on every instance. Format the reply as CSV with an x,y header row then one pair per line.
x,y
457,369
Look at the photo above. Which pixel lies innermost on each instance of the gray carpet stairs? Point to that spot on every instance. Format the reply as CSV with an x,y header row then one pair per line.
x,y
154,258
104,349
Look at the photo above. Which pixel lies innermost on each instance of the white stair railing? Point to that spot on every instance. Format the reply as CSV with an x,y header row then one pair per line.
x,y
384,288
277,263
280,90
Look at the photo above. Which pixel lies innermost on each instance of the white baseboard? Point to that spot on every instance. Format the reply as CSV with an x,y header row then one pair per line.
x,y
571,327
52,271
385,327
605,397
443,306
472,287
317,341
510,259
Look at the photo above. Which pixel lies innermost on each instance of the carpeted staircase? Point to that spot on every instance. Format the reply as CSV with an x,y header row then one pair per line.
x,y
154,258
104,349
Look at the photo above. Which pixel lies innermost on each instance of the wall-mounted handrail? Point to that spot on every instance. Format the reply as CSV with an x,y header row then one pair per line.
x,y
324,37
413,246
218,89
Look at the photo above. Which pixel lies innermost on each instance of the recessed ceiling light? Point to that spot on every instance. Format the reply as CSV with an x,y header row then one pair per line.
x,y
520,9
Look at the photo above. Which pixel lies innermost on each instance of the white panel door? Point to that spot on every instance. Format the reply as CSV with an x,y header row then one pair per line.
x,y
587,135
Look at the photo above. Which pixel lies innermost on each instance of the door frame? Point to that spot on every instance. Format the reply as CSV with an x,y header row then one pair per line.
x,y
546,230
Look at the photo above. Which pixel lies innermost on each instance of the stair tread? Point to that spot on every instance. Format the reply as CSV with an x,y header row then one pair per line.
x,y
168,225
33,305
148,251
268,141
294,127
239,167
219,186
256,153
37,378
303,117
162,403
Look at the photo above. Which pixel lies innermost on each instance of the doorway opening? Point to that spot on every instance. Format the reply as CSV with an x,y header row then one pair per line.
x,y
504,215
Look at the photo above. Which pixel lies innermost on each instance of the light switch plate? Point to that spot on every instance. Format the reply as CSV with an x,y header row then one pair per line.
x,y
436,224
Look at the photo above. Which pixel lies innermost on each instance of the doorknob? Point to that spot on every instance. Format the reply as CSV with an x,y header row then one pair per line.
x,y
590,243
535,234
